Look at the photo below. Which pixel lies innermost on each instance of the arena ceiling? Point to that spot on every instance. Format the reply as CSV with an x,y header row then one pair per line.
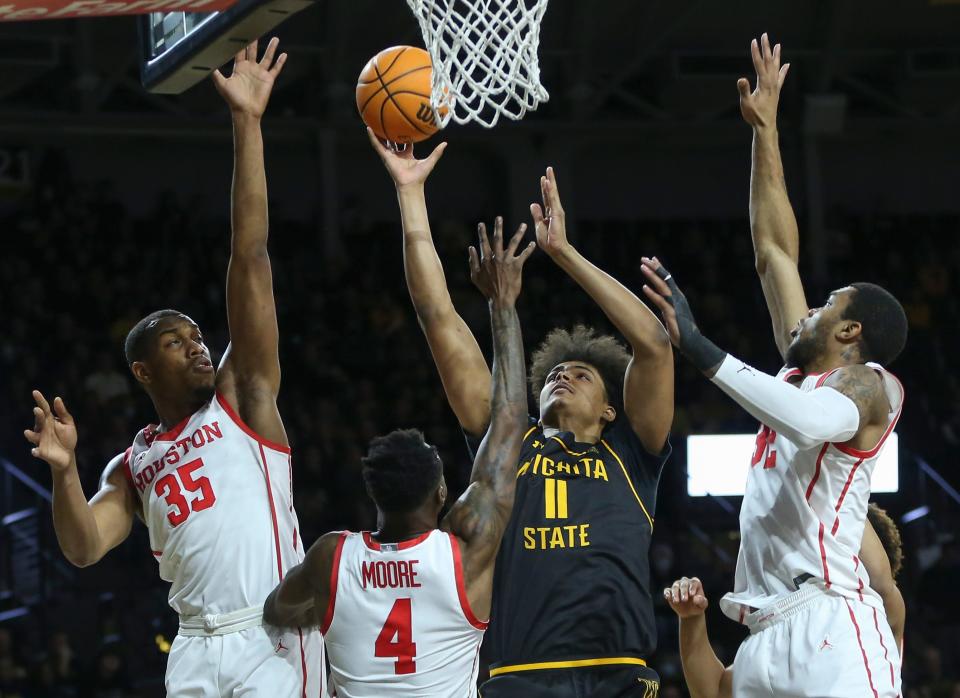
x,y
668,62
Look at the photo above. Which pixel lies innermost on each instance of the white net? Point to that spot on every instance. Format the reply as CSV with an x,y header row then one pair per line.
x,y
484,56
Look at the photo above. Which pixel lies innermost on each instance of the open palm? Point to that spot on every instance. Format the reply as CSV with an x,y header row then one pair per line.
x,y
54,434
404,168
248,88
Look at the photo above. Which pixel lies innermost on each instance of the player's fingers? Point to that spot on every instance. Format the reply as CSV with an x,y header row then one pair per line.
x,y
783,74
267,60
61,409
474,261
552,188
32,436
659,301
654,280
435,155
377,143
515,240
700,601
776,56
544,195
41,402
695,586
250,53
743,87
38,419
755,55
536,213
498,237
218,78
684,589
278,66
485,252
527,251
765,45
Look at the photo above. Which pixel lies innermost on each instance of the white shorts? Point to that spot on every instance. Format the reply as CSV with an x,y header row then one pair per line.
x,y
812,643
258,661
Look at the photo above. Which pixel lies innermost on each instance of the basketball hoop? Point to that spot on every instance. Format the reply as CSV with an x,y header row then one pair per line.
x,y
484,55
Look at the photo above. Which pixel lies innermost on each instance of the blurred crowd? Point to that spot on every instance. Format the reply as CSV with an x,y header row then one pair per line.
x,y
77,271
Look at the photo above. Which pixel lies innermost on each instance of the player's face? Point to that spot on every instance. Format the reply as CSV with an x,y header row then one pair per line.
x,y
575,388
812,334
180,360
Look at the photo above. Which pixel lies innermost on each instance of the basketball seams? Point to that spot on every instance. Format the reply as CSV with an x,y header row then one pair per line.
x,y
393,101
384,84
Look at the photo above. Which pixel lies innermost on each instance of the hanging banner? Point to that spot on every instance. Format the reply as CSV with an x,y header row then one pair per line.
x,y
22,10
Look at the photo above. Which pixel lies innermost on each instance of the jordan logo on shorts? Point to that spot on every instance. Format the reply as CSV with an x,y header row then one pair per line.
x,y
825,645
280,646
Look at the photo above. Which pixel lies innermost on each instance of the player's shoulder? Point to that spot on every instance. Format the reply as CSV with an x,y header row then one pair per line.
x,y
856,381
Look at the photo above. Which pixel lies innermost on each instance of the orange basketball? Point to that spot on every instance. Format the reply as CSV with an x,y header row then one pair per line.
x,y
393,95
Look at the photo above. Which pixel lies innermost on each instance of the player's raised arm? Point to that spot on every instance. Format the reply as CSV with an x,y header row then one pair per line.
x,y
704,673
462,368
648,385
480,516
773,225
251,368
86,531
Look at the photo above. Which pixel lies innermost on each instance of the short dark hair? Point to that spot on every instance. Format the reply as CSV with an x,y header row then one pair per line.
x,y
883,322
400,470
889,536
603,352
138,343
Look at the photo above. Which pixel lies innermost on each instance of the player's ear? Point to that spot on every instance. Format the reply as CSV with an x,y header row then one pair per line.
x,y
609,414
442,492
141,372
849,331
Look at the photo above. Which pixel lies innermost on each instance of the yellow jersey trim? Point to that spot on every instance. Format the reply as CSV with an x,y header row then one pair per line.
x,y
564,446
539,666
629,482
529,431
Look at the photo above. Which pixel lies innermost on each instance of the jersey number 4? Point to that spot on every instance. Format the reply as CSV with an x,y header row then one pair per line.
x,y
396,638
764,450
171,487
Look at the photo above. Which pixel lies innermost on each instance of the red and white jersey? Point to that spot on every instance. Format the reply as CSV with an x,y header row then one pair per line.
x,y
218,502
398,622
803,513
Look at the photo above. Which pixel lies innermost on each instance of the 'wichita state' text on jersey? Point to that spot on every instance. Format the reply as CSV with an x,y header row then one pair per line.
x,y
572,579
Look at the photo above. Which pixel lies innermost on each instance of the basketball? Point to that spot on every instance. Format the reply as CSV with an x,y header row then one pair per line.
x,y
393,95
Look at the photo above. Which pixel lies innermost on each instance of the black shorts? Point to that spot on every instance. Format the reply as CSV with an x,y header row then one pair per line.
x,y
593,682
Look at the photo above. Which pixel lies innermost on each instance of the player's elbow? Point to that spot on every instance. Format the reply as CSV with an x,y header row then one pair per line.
x,y
82,559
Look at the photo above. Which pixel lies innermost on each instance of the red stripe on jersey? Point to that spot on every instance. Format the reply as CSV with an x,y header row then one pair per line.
x,y
303,664
157,553
150,433
246,429
816,473
823,558
856,566
294,537
876,625
791,373
862,651
402,545
334,575
462,587
822,379
126,466
843,493
273,512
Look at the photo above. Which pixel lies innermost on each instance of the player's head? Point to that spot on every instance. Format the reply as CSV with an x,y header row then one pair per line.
x,y
404,473
862,319
167,356
580,374
889,536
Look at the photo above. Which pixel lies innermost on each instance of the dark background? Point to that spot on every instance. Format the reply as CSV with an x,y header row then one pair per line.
x,y
114,202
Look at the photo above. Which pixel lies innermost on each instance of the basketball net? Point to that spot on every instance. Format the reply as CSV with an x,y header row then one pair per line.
x,y
484,55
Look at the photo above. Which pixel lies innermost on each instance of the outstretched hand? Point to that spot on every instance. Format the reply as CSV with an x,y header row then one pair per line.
x,y
54,434
550,221
495,271
404,169
662,290
759,108
686,597
248,88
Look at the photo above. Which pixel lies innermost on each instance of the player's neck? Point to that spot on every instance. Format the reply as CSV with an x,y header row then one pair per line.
x,y
831,361
393,528
582,433
173,411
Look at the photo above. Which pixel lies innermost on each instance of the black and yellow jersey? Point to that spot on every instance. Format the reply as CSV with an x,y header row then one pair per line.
x,y
572,580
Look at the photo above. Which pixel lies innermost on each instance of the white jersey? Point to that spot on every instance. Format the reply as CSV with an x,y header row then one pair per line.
x,y
803,514
398,622
218,502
